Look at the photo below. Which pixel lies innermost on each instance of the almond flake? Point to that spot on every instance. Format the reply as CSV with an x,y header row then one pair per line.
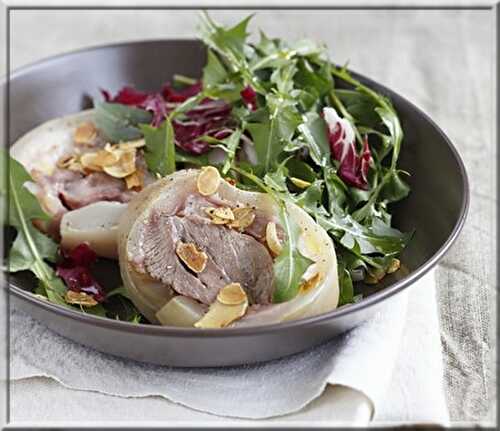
x,y
220,215
194,259
71,163
96,161
394,265
208,181
138,143
123,167
232,294
85,134
80,298
220,315
225,213
135,180
272,239
374,276
243,217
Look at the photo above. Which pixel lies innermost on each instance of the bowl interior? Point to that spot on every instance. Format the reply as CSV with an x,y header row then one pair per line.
x,y
66,84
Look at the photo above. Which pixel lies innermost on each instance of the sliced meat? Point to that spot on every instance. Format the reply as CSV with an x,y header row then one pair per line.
x,y
93,188
162,263
232,257
194,210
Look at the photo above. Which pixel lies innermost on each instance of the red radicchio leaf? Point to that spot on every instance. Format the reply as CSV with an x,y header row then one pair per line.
x,y
130,96
353,168
106,94
75,271
156,104
249,97
210,117
170,94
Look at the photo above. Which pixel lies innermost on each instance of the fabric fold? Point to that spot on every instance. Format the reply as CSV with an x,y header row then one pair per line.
x,y
362,359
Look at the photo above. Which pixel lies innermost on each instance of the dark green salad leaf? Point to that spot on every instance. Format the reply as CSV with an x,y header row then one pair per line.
x,y
31,248
290,265
160,148
120,122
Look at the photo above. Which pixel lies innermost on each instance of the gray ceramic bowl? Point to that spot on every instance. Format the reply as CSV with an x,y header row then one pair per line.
x,y
436,209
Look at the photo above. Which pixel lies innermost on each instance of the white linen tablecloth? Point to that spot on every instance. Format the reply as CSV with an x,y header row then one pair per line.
x,y
439,59
389,368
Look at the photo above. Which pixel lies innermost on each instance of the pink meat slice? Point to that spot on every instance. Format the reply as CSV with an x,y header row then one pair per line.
x,y
232,257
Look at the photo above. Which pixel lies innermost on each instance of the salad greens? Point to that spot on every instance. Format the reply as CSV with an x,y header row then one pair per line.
x,y
36,252
31,249
293,84
287,121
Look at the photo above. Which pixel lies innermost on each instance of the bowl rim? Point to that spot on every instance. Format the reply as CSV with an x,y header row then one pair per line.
x,y
370,301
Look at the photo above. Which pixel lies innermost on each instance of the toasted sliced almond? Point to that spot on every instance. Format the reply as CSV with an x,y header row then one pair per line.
x,y
394,265
217,220
195,259
370,279
80,298
232,294
135,180
124,167
272,239
301,184
96,161
208,181
220,315
243,217
225,213
220,215
88,161
65,161
311,283
138,143
373,276
70,162
85,134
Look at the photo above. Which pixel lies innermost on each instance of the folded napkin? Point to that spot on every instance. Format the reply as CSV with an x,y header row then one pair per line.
x,y
362,361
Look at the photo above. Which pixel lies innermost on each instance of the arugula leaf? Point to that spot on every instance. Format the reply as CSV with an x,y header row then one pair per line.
x,y
183,157
231,144
277,179
290,265
310,78
315,135
311,198
160,148
31,247
360,106
230,44
362,239
345,286
120,122
394,188
214,71
337,192
120,306
271,136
